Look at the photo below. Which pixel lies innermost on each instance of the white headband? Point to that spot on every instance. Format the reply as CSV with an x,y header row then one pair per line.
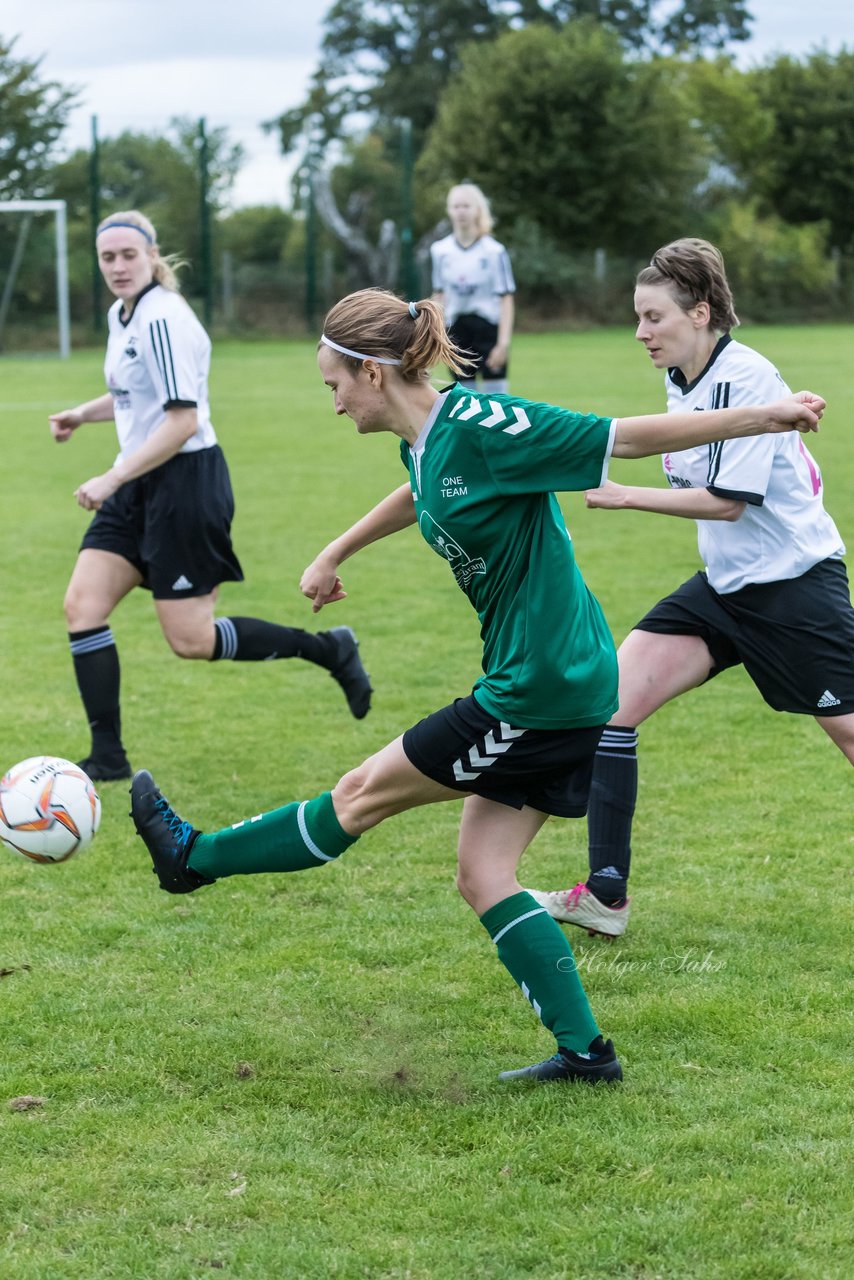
x,y
357,355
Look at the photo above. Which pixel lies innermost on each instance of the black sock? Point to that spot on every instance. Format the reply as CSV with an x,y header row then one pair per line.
x,y
613,793
595,1049
252,640
96,666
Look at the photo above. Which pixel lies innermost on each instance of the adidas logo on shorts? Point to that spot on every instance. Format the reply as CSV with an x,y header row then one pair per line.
x,y
827,700
183,583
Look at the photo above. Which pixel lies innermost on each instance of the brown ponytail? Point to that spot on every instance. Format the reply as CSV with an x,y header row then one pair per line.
x,y
376,322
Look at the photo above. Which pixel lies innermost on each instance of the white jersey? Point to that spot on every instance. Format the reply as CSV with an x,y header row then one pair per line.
x,y
784,529
474,279
157,360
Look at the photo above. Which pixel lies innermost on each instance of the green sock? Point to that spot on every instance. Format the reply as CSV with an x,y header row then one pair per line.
x,y
298,836
534,950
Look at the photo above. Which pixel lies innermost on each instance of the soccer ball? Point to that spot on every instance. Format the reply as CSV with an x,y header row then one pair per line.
x,y
49,809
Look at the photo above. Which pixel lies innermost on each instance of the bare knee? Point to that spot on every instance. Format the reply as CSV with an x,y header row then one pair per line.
x,y
467,887
189,634
190,646
82,610
380,787
482,891
188,626
351,798
71,609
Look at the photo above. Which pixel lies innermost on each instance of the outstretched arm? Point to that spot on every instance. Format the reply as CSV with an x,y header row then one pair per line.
x,y
658,432
693,504
320,581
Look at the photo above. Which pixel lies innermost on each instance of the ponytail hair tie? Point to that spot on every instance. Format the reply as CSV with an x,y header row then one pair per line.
x,y
413,311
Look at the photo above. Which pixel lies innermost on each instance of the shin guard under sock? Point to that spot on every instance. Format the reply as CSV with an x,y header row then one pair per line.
x,y
293,838
613,793
536,953
253,640
96,667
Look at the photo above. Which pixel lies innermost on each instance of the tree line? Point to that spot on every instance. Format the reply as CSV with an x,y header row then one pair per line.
x,y
598,128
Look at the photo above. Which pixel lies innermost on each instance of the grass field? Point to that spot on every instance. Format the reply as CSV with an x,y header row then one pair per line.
x,y
296,1076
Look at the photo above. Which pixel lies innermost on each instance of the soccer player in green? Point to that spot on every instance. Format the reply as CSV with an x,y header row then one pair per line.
x,y
520,747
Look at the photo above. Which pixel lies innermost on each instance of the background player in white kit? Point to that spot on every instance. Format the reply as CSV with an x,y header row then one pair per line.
x,y
473,280
164,509
774,594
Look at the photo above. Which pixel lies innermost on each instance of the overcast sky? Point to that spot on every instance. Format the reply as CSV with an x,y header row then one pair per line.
x,y
139,62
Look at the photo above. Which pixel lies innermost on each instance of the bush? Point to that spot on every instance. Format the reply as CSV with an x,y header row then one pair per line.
x,y
778,271
573,287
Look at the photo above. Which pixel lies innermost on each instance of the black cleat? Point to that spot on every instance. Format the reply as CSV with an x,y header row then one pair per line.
x,y
105,770
167,837
566,1065
346,667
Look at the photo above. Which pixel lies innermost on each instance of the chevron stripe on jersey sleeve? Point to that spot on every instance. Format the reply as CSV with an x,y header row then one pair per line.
x,y
530,447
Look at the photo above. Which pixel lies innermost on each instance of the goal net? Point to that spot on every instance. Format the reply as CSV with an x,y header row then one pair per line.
x,y
25,211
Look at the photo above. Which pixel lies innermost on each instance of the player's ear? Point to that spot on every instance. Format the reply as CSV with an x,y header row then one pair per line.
x,y
374,372
701,314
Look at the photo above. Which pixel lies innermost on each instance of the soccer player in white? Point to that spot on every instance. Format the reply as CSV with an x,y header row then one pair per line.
x,y
163,511
774,594
473,281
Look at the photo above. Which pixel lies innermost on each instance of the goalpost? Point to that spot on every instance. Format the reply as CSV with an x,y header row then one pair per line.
x,y
29,208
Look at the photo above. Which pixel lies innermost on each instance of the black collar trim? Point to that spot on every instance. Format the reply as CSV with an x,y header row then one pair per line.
x,y
677,377
124,320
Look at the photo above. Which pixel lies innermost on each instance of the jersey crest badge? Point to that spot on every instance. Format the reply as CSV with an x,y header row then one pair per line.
x,y
464,567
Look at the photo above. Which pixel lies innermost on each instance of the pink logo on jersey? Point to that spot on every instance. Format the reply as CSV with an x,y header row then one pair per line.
x,y
666,463
815,474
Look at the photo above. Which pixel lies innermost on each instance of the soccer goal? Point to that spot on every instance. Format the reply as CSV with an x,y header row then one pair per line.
x,y
29,209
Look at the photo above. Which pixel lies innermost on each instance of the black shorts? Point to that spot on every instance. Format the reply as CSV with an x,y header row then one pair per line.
x,y
476,337
173,525
795,637
464,747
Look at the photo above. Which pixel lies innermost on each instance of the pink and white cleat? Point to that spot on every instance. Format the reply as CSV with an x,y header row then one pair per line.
x,y
581,907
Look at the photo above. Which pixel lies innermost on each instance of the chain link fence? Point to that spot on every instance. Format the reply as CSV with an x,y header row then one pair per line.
x,y
556,288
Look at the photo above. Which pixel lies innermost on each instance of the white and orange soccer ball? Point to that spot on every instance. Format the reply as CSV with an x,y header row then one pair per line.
x,y
49,809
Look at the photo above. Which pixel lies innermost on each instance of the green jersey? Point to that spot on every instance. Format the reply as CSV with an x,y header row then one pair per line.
x,y
484,470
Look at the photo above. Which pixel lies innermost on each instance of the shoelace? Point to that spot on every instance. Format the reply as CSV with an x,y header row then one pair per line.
x,y
574,894
178,829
